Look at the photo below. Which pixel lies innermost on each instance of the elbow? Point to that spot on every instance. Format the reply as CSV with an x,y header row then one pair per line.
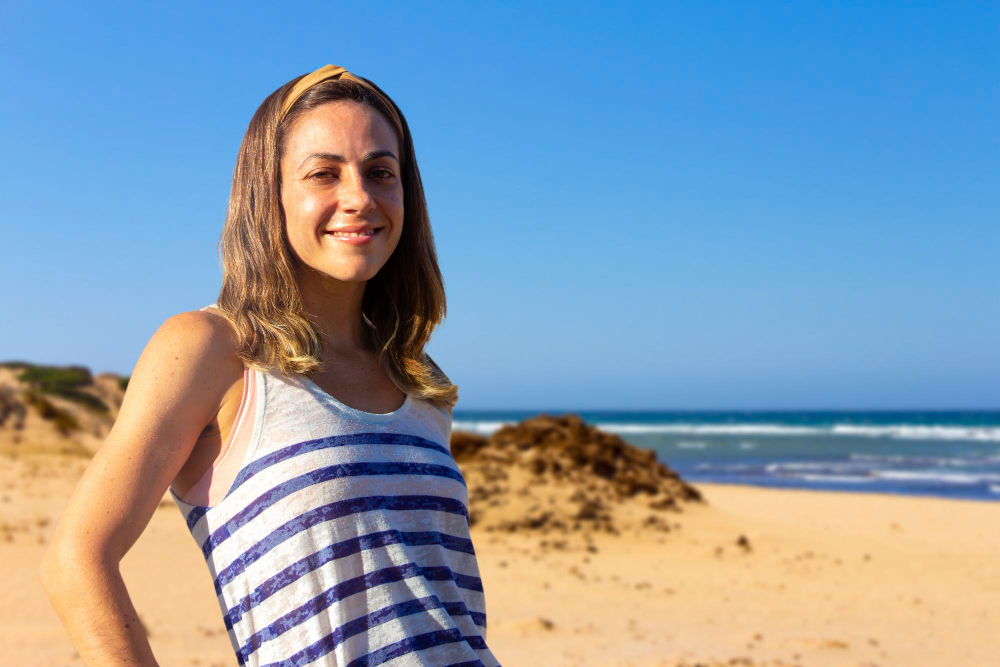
x,y
47,572
57,580
50,568
62,566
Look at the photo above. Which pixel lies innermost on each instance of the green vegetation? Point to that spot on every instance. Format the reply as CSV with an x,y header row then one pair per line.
x,y
123,382
62,381
57,376
64,421
88,400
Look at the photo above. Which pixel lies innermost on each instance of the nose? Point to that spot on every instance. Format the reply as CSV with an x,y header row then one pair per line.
x,y
354,194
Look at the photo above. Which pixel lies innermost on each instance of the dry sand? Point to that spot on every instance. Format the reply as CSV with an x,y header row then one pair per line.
x,y
826,579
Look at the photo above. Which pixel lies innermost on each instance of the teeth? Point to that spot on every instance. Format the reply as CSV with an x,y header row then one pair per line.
x,y
368,233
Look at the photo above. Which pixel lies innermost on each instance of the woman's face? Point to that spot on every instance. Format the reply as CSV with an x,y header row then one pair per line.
x,y
340,173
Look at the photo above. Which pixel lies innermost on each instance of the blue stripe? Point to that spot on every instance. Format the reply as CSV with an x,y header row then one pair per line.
x,y
194,516
365,623
416,643
444,573
279,455
338,471
344,590
419,642
334,511
354,545
254,467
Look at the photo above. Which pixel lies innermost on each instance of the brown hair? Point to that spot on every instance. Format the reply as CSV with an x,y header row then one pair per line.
x,y
402,303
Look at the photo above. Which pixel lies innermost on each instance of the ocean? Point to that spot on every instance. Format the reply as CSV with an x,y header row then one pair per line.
x,y
918,453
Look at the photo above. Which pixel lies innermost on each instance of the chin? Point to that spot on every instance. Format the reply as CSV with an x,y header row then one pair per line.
x,y
358,274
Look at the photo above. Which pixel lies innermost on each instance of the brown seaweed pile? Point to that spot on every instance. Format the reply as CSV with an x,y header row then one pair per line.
x,y
560,473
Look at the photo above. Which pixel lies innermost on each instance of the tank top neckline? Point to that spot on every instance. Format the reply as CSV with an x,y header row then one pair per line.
x,y
354,412
357,414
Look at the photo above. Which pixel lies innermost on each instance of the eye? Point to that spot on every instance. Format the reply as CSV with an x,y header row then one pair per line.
x,y
386,174
321,175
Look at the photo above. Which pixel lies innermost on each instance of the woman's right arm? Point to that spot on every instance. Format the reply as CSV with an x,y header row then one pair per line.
x,y
175,390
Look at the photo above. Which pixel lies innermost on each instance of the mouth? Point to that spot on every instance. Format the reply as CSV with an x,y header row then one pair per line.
x,y
372,231
355,236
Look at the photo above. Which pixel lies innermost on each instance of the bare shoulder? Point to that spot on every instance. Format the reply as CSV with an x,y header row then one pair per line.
x,y
191,356
205,322
205,335
177,385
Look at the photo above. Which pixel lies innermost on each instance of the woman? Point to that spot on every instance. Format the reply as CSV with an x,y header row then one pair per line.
x,y
298,423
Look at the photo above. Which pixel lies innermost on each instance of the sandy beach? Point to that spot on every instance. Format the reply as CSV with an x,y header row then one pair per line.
x,y
819,578
685,313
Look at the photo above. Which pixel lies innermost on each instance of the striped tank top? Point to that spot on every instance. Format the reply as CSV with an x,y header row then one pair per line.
x,y
341,537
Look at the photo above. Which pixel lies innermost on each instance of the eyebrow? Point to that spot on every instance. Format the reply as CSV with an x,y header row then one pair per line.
x,y
333,157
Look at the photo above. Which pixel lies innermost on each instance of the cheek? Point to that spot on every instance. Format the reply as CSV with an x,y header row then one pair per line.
x,y
300,216
396,208
302,208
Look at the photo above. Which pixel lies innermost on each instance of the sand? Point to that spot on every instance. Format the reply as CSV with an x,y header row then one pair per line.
x,y
822,579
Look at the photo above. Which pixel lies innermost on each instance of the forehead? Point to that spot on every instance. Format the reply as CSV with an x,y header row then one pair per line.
x,y
344,127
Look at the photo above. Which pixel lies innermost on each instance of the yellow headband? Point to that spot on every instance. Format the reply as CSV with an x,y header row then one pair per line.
x,y
334,72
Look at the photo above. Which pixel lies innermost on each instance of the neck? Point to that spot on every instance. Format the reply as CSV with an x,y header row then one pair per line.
x,y
335,308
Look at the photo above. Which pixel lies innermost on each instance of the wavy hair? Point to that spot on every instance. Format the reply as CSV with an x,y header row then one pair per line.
x,y
402,303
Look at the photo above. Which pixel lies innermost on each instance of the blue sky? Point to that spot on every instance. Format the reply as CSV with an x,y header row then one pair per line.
x,y
636,205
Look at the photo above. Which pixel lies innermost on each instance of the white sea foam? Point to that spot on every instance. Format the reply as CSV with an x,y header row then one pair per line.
x,y
799,465
818,472
883,457
928,476
921,460
712,429
913,432
684,444
748,445
834,478
485,428
994,488
896,432
892,431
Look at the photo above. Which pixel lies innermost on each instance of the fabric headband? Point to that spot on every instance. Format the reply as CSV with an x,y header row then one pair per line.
x,y
334,72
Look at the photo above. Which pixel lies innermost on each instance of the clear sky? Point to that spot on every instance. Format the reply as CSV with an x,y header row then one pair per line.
x,y
636,205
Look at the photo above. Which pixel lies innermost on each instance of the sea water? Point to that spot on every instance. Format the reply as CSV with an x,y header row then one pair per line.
x,y
927,453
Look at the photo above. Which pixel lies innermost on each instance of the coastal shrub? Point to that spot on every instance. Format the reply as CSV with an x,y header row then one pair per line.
x,y
88,400
11,408
65,382
64,421
57,376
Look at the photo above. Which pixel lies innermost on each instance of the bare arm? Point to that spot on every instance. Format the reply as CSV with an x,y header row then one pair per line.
x,y
174,391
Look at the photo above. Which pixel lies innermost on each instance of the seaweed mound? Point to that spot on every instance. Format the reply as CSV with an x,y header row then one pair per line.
x,y
588,473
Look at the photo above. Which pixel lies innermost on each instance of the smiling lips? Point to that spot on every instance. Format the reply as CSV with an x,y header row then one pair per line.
x,y
355,235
